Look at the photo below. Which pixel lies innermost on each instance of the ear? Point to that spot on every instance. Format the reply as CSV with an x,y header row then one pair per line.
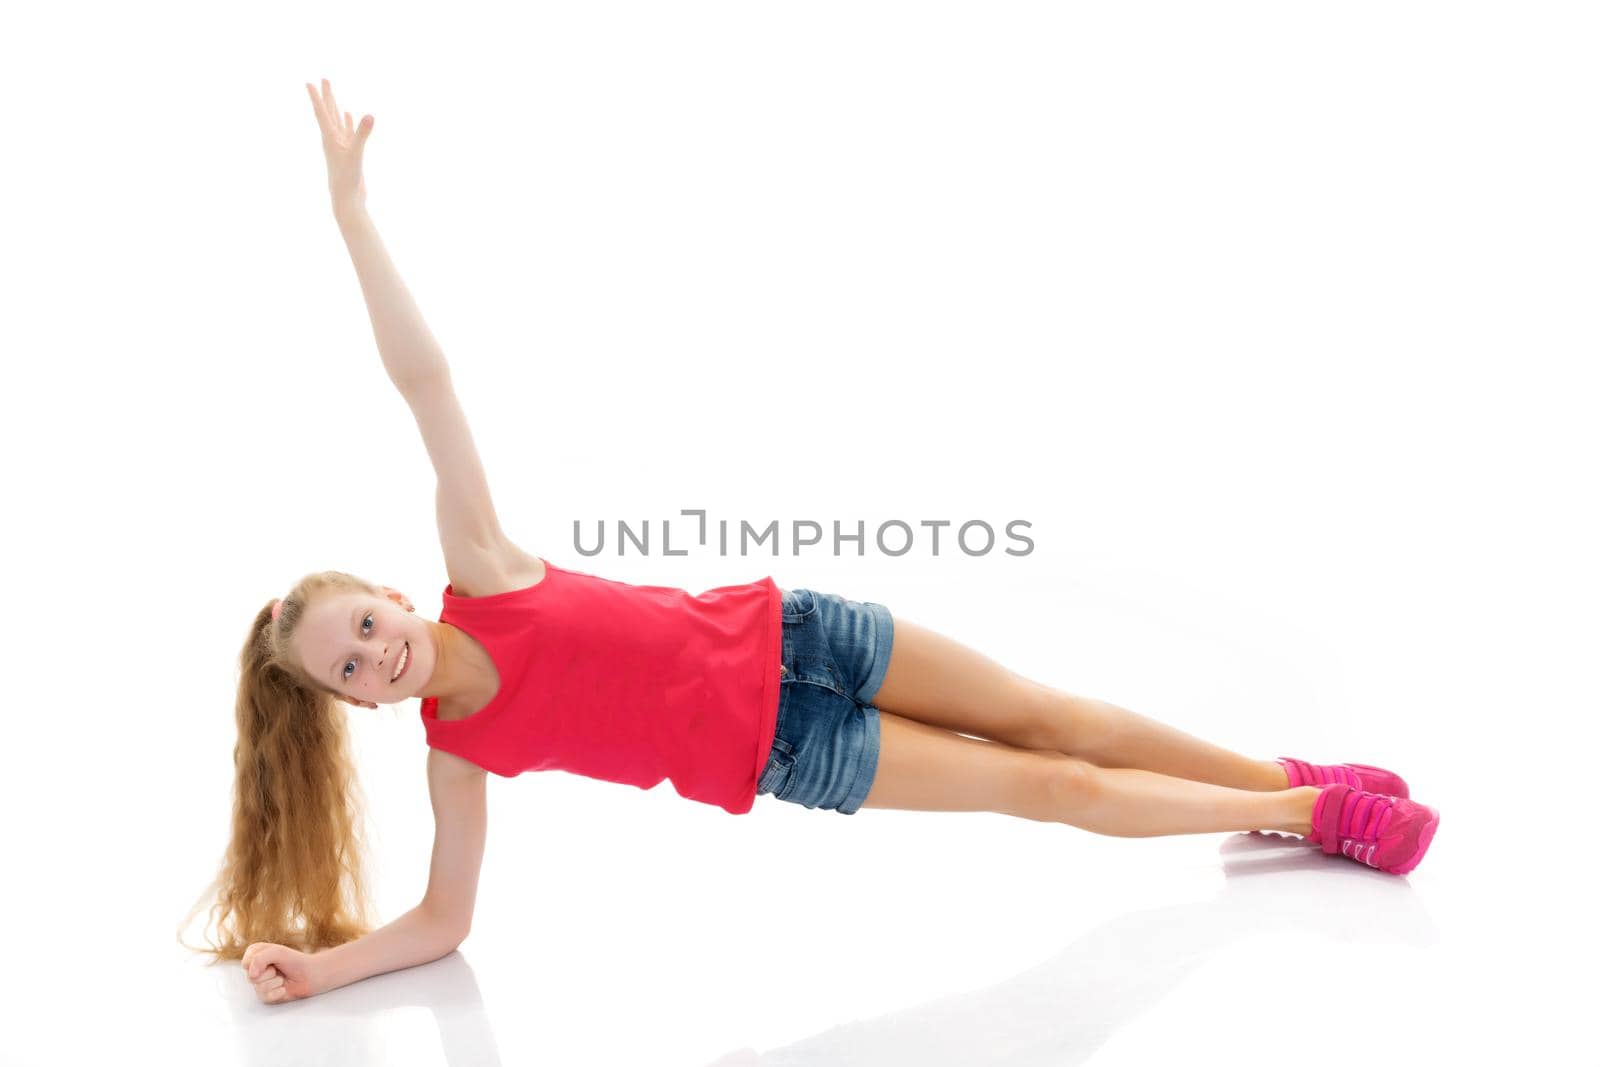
x,y
357,703
399,598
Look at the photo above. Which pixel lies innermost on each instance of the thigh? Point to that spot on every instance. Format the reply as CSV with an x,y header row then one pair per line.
x,y
941,682
926,768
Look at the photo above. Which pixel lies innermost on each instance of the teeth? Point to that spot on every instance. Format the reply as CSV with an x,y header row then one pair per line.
x,y
405,656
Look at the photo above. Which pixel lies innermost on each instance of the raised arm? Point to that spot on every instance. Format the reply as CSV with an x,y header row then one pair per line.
x,y
409,352
477,553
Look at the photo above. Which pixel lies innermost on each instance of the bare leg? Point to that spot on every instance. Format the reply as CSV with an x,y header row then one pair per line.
x,y
1112,736
926,768
941,682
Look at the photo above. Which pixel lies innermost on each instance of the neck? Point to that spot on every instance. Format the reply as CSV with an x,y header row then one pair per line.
x,y
455,677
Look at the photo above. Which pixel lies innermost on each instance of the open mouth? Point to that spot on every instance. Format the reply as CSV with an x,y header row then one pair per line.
x,y
405,662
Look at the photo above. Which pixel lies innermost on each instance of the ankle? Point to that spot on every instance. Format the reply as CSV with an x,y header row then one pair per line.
x,y
1273,776
1298,804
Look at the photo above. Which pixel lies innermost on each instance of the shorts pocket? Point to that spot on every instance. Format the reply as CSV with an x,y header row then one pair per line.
x,y
810,668
779,770
798,604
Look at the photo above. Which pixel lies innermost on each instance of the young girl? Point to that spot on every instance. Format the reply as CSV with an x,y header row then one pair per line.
x,y
741,690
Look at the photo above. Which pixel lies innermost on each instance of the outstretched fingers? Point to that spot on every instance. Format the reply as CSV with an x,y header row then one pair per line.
x,y
327,92
326,106
318,107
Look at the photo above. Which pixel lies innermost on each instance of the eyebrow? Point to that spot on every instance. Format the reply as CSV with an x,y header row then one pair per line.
x,y
351,622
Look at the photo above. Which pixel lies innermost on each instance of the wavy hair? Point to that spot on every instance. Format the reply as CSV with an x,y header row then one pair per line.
x,y
294,869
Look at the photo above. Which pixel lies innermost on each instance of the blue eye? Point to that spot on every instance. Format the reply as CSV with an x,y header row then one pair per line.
x,y
348,666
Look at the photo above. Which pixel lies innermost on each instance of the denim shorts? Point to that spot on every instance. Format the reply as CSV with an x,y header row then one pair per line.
x,y
835,653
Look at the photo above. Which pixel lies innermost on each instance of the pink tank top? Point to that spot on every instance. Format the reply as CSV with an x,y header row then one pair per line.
x,y
626,683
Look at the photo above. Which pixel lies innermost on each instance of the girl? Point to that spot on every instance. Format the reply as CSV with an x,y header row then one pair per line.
x,y
741,690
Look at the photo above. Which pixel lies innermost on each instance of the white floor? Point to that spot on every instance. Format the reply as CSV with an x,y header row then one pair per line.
x,y
958,939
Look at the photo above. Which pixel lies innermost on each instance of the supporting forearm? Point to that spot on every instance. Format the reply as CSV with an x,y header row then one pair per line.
x,y
410,354
415,937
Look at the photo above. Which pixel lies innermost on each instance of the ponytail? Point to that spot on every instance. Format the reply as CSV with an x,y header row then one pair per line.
x,y
293,870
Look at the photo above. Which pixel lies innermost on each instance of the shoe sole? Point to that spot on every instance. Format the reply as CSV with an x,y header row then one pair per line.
x,y
1423,840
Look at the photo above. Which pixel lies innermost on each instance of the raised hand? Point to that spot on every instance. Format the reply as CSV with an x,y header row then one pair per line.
x,y
278,973
342,143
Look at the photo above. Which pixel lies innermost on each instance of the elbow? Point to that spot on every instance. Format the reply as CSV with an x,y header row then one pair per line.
x,y
427,382
448,930
447,943
452,935
459,929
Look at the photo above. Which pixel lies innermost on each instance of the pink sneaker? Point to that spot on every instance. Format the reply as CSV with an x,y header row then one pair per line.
x,y
1355,775
1386,832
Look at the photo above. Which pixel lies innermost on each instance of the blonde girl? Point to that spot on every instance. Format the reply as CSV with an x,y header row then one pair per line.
x,y
739,691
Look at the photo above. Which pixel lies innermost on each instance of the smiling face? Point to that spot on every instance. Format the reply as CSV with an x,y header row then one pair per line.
x,y
353,642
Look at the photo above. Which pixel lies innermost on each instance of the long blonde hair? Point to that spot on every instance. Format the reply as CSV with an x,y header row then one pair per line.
x,y
293,872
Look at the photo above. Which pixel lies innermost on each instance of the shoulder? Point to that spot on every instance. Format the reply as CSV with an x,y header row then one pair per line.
x,y
499,568
445,769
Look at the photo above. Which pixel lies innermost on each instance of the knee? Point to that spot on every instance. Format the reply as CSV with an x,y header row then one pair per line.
x,y
1071,784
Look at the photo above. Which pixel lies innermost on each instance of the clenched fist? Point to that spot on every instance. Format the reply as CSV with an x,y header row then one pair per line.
x,y
279,973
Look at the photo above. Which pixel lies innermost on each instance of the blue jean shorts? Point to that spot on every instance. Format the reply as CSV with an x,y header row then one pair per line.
x,y
835,653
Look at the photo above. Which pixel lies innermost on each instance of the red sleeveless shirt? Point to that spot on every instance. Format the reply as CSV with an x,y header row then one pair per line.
x,y
626,683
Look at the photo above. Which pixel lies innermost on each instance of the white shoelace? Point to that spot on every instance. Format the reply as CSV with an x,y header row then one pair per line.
x,y
1352,848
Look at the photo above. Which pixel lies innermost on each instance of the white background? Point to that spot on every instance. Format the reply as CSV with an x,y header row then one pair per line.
x,y
1275,321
